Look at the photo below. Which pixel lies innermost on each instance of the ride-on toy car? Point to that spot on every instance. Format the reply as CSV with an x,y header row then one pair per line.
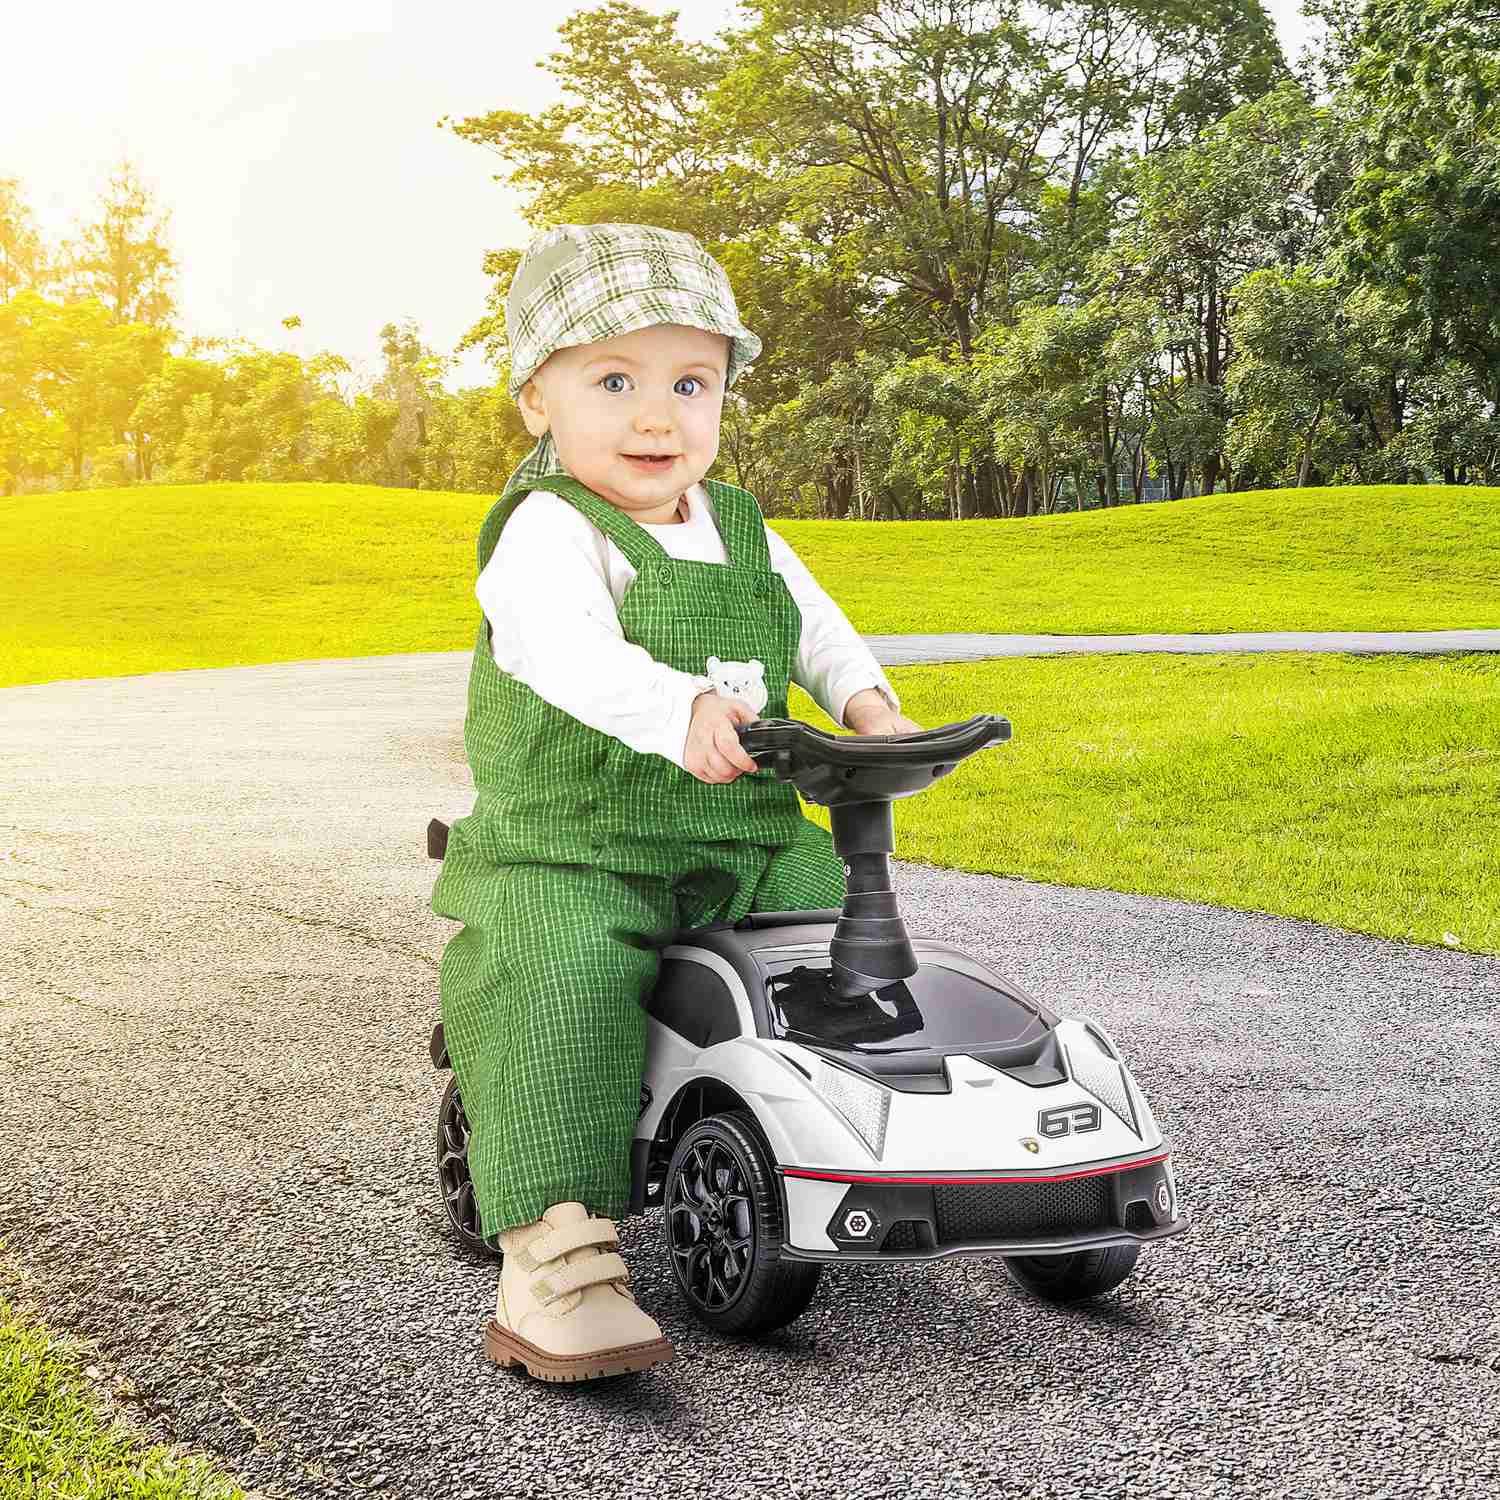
x,y
821,1087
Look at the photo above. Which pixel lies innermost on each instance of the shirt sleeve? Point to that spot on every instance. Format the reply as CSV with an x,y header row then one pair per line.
x,y
554,626
833,661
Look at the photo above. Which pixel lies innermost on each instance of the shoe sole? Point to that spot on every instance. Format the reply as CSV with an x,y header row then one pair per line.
x,y
507,1348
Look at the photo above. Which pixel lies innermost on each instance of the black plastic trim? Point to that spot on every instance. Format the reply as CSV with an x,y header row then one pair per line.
x,y
1038,1063
998,1247
761,919
737,947
694,1001
640,1162
907,1073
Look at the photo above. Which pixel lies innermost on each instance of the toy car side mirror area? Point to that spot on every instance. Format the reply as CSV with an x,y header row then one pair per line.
x,y
857,777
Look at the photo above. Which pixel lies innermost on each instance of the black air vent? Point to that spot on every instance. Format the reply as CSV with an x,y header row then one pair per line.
x,y
1019,1210
900,1237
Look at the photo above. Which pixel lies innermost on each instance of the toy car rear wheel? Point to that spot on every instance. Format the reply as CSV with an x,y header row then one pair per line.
x,y
454,1182
1075,1274
724,1229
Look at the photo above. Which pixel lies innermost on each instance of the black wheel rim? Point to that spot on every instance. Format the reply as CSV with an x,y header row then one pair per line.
x,y
711,1226
453,1169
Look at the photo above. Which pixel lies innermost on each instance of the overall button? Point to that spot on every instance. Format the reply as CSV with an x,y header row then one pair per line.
x,y
763,588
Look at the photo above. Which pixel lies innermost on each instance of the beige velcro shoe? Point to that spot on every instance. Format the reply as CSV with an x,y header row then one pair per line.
x,y
563,1309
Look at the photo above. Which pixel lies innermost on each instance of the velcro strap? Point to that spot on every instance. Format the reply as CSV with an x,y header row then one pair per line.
x,y
572,1237
581,1273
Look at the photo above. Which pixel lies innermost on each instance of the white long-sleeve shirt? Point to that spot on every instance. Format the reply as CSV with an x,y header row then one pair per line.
x,y
551,592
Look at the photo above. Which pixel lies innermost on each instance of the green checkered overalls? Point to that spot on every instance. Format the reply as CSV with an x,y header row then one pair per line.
x,y
581,853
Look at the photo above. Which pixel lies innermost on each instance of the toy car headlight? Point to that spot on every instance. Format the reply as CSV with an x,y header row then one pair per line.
x,y
865,1105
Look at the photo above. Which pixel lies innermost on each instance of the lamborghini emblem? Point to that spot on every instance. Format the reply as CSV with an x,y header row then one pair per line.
x,y
1031,1144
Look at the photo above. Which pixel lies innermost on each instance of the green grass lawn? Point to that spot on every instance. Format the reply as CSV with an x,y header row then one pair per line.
x,y
1356,791
55,1439
108,582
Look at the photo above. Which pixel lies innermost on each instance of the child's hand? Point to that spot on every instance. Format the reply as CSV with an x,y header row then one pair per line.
x,y
867,712
713,752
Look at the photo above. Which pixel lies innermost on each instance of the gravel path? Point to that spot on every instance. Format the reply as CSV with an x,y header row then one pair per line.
x,y
900,650
217,978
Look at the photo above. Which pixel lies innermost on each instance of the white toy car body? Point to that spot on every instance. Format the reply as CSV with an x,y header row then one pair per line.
x,y
981,1122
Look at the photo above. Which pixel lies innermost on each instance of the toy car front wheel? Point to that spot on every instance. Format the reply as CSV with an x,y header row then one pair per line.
x,y
454,1182
1074,1275
724,1229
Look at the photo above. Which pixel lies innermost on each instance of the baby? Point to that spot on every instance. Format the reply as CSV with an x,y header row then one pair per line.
x,y
627,603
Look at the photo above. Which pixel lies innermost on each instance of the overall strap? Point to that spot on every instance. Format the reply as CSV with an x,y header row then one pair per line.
x,y
741,525
636,543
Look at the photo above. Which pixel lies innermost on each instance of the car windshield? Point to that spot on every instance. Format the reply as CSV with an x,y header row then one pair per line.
x,y
935,1008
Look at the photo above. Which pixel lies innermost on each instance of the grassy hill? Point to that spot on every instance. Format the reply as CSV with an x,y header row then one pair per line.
x,y
109,582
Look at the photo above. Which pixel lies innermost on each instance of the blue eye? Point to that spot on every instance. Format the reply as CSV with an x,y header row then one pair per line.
x,y
693,378
613,375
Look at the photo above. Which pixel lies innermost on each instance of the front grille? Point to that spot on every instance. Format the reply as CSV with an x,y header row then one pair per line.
x,y
1020,1210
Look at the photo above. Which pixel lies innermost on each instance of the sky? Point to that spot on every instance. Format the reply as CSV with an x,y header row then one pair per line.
x,y
294,150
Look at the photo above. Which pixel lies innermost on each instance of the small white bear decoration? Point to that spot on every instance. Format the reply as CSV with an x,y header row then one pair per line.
x,y
745,680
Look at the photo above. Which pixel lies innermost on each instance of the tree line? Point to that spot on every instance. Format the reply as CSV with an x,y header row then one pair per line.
x,y
1005,259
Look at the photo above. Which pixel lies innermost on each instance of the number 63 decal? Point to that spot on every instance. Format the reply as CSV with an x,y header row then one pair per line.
x,y
1067,1119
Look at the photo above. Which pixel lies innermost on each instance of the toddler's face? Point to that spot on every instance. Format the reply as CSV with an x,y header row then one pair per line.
x,y
657,390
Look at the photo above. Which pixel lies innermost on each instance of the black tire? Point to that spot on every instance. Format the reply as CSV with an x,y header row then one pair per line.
x,y
1074,1275
724,1229
455,1186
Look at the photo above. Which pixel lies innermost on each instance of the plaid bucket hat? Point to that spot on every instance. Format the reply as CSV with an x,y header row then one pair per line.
x,y
582,283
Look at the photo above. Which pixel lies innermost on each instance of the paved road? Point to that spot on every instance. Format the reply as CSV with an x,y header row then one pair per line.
x,y
217,976
900,650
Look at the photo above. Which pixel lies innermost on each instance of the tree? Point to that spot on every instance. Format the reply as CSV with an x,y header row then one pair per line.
x,y
75,372
23,258
1140,77
828,440
1255,190
1330,53
930,407
475,439
1038,396
1291,379
411,380
1421,217
32,434
936,111
873,173
120,257
1451,430
953,116
182,393
256,415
